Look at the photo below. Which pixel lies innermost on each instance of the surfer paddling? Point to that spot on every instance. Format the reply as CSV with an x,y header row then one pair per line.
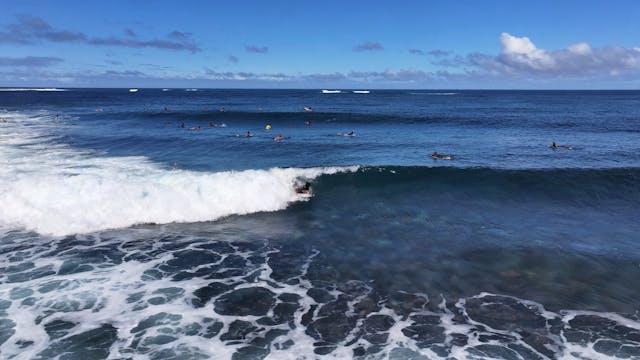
x,y
349,134
437,156
555,146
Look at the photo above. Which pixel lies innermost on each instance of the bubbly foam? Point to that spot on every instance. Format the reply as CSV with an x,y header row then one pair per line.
x,y
165,293
51,188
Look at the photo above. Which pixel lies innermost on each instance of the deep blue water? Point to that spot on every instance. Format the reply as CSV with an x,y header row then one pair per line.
x,y
127,235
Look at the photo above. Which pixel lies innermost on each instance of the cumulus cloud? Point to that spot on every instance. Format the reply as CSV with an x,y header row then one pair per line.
x,y
368,46
31,30
257,49
30,61
522,52
580,49
520,57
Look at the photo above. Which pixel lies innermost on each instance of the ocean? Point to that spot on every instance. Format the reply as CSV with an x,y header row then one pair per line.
x,y
147,225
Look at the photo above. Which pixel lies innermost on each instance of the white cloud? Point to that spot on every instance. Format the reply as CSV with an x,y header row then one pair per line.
x,y
515,45
521,58
522,51
580,48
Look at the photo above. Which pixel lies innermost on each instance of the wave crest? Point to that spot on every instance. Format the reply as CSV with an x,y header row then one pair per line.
x,y
52,189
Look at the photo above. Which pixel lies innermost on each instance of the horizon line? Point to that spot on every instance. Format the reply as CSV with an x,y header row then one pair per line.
x,y
319,89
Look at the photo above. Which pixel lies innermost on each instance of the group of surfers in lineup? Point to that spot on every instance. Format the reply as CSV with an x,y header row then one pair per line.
x,y
248,134
435,155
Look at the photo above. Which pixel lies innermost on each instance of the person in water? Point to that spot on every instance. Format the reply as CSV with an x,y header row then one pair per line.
x,y
278,138
182,125
248,134
308,108
304,189
437,156
555,146
308,122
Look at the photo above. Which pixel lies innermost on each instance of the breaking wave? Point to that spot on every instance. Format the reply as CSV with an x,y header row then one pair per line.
x,y
51,188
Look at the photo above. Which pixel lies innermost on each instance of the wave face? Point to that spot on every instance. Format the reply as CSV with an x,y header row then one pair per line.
x,y
52,189
571,186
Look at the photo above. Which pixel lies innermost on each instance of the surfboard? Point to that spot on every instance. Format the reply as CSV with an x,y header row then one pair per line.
x,y
304,196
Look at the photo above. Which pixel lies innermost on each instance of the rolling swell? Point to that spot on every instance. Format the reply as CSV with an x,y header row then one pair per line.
x,y
273,116
495,119
576,185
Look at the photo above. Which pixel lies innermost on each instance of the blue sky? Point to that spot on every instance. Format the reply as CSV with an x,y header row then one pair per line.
x,y
321,44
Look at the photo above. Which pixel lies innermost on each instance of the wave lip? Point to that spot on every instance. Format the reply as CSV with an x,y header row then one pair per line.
x,y
124,192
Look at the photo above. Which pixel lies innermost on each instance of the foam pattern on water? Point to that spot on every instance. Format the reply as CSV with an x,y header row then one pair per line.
x,y
48,187
150,293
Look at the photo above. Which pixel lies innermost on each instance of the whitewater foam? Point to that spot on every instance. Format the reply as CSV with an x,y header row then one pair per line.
x,y
50,188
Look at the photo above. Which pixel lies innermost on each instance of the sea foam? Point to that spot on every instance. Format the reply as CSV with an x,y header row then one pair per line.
x,y
50,188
